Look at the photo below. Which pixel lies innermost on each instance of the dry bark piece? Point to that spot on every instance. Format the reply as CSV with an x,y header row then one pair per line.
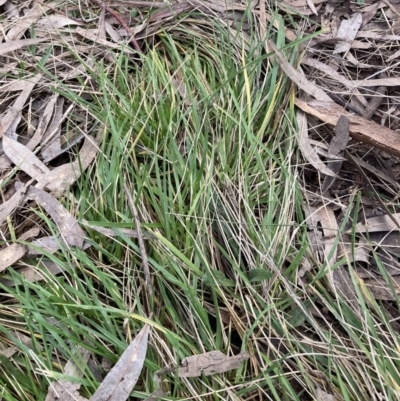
x,y
119,383
210,363
361,129
69,228
63,390
11,254
23,158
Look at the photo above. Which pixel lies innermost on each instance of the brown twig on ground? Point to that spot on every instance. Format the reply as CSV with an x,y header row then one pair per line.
x,y
122,22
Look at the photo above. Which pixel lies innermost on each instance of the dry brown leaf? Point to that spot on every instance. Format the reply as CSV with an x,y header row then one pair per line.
x,y
377,82
8,47
337,145
324,396
55,21
329,71
19,103
306,149
26,21
69,228
298,78
119,383
8,207
11,254
210,363
63,390
378,223
359,252
109,232
91,35
348,30
43,123
380,289
53,133
13,86
33,273
10,351
361,129
59,179
33,232
23,158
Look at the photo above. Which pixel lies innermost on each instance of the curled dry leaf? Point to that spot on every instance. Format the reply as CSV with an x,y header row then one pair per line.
x,y
210,363
119,383
43,123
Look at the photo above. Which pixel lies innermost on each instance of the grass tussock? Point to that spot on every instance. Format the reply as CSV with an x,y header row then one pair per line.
x,y
201,128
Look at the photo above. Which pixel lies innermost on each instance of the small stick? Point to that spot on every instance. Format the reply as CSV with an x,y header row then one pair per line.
x,y
122,22
145,262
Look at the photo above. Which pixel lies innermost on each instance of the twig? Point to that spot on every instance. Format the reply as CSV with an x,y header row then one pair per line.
x,y
122,22
145,262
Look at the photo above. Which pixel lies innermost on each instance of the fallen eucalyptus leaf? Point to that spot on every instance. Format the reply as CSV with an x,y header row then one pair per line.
x,y
210,363
63,390
11,254
69,228
119,383
23,158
